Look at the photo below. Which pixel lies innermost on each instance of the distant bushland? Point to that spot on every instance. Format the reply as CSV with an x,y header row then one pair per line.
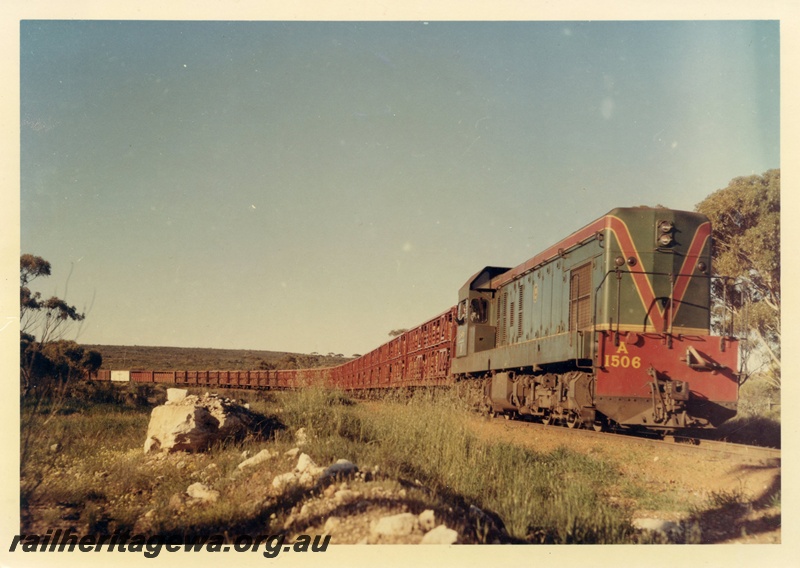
x,y
123,357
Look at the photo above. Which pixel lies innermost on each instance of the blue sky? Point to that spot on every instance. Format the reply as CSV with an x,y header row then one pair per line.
x,y
309,186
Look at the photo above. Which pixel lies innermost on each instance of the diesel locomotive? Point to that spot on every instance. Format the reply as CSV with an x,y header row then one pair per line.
x,y
610,327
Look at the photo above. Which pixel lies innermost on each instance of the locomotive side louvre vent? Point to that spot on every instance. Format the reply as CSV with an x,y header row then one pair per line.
x,y
519,319
580,288
511,317
503,316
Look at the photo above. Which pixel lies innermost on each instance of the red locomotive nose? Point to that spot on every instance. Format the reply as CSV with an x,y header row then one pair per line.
x,y
686,381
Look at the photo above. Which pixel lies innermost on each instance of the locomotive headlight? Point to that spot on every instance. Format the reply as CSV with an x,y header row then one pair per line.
x,y
664,233
701,266
619,261
665,227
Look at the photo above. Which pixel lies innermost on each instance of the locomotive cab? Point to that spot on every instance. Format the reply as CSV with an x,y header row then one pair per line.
x,y
475,316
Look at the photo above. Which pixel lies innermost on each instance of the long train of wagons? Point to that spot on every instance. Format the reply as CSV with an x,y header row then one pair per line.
x,y
611,326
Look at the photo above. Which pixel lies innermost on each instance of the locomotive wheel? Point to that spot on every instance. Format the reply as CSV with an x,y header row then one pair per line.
x,y
574,420
547,419
599,425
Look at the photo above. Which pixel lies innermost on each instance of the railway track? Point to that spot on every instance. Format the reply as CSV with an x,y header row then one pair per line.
x,y
754,454
771,456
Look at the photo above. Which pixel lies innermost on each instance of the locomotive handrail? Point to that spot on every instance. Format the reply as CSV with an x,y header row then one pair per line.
x,y
668,323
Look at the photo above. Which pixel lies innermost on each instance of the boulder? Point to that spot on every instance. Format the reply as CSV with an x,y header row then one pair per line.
x,y
180,428
175,396
192,423
440,535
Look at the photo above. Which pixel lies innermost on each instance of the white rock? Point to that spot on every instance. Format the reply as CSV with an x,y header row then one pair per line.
x,y
301,437
306,479
304,463
191,423
307,470
260,457
175,396
440,535
179,428
285,480
427,520
292,453
202,492
396,525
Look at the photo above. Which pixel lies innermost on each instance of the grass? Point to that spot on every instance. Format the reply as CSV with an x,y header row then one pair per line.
x,y
555,497
97,478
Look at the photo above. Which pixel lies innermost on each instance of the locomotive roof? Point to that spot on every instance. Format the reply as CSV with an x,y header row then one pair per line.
x,y
482,279
581,235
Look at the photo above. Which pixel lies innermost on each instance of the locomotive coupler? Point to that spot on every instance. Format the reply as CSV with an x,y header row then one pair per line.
x,y
668,396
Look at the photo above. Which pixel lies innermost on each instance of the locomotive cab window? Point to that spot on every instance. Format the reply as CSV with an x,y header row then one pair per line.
x,y
477,310
461,316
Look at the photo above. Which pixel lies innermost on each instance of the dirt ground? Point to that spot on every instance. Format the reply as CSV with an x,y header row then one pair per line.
x,y
728,499
741,489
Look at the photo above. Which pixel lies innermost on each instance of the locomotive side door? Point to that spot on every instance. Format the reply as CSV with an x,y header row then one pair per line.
x,y
580,309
